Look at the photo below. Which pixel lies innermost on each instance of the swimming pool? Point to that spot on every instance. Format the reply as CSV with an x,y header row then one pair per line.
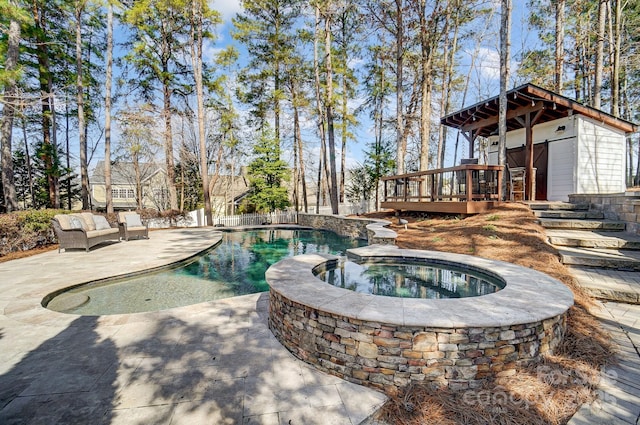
x,y
235,267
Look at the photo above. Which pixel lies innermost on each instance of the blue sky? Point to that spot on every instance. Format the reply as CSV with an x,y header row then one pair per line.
x,y
485,76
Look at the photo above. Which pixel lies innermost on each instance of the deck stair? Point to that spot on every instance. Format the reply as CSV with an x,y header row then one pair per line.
x,y
584,238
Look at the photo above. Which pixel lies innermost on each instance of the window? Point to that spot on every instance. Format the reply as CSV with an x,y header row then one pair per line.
x,y
131,193
123,193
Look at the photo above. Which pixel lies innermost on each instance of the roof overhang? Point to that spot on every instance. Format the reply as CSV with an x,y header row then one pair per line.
x,y
481,119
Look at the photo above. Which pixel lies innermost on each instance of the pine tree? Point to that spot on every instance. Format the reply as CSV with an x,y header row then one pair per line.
x,y
159,28
265,27
267,172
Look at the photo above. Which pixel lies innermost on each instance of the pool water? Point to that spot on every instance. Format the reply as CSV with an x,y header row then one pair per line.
x,y
235,267
410,280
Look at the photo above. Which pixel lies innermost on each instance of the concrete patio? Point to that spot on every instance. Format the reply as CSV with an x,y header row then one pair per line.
x,y
214,362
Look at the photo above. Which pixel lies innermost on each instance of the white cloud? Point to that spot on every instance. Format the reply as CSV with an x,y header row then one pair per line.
x,y
489,65
210,52
489,60
226,8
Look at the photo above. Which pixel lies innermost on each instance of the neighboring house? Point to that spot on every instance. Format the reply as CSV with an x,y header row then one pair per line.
x,y
575,149
227,192
153,182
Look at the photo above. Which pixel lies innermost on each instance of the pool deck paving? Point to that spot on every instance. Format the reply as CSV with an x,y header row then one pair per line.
x,y
214,362
618,401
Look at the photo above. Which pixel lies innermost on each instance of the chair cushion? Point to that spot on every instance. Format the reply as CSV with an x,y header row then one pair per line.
x,y
89,224
133,220
101,222
63,220
75,222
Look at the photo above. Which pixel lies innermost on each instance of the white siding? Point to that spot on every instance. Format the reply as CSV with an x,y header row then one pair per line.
x,y
560,171
547,131
600,167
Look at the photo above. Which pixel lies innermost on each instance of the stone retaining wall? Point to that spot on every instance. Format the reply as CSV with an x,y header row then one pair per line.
x,y
389,356
388,342
360,228
617,206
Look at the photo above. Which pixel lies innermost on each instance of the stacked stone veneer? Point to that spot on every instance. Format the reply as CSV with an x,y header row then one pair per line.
x,y
360,228
622,207
387,356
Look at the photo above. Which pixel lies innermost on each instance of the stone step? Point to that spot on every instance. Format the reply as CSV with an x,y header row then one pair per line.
x,y
587,239
557,205
613,285
559,223
604,258
576,215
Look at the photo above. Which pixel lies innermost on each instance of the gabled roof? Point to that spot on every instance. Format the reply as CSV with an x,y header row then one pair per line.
x,y
226,184
124,173
482,118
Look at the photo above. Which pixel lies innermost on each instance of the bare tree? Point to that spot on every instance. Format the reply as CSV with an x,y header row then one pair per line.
x,y
333,188
559,51
599,61
505,55
198,11
107,109
400,139
8,112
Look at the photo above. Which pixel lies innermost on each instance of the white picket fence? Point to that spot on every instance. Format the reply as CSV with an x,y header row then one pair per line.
x,y
278,217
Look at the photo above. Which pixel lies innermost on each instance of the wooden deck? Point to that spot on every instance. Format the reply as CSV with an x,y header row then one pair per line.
x,y
445,190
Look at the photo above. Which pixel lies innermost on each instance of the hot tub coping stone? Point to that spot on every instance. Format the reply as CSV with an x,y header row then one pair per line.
x,y
529,296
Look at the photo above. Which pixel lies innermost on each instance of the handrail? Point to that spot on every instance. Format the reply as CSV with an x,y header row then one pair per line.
x,y
444,170
463,183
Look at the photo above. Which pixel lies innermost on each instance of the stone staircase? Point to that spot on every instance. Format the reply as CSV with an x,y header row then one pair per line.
x,y
586,238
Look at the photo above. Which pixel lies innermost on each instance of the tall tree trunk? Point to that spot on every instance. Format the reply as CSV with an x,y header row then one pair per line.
x,y
297,149
319,109
426,87
196,59
168,143
28,160
400,139
54,141
303,177
107,110
296,171
138,177
8,112
448,52
559,51
599,61
345,125
505,55
42,53
67,139
84,174
333,189
615,69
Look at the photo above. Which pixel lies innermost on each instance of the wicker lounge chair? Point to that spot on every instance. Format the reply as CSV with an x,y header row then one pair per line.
x,y
83,230
131,226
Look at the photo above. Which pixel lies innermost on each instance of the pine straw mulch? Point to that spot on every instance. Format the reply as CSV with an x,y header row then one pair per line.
x,y
546,393
23,254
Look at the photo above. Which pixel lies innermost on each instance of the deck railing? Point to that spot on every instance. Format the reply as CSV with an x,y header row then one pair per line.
x,y
464,183
278,217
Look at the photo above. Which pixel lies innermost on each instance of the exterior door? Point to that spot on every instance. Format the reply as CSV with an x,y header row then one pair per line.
x,y
516,157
